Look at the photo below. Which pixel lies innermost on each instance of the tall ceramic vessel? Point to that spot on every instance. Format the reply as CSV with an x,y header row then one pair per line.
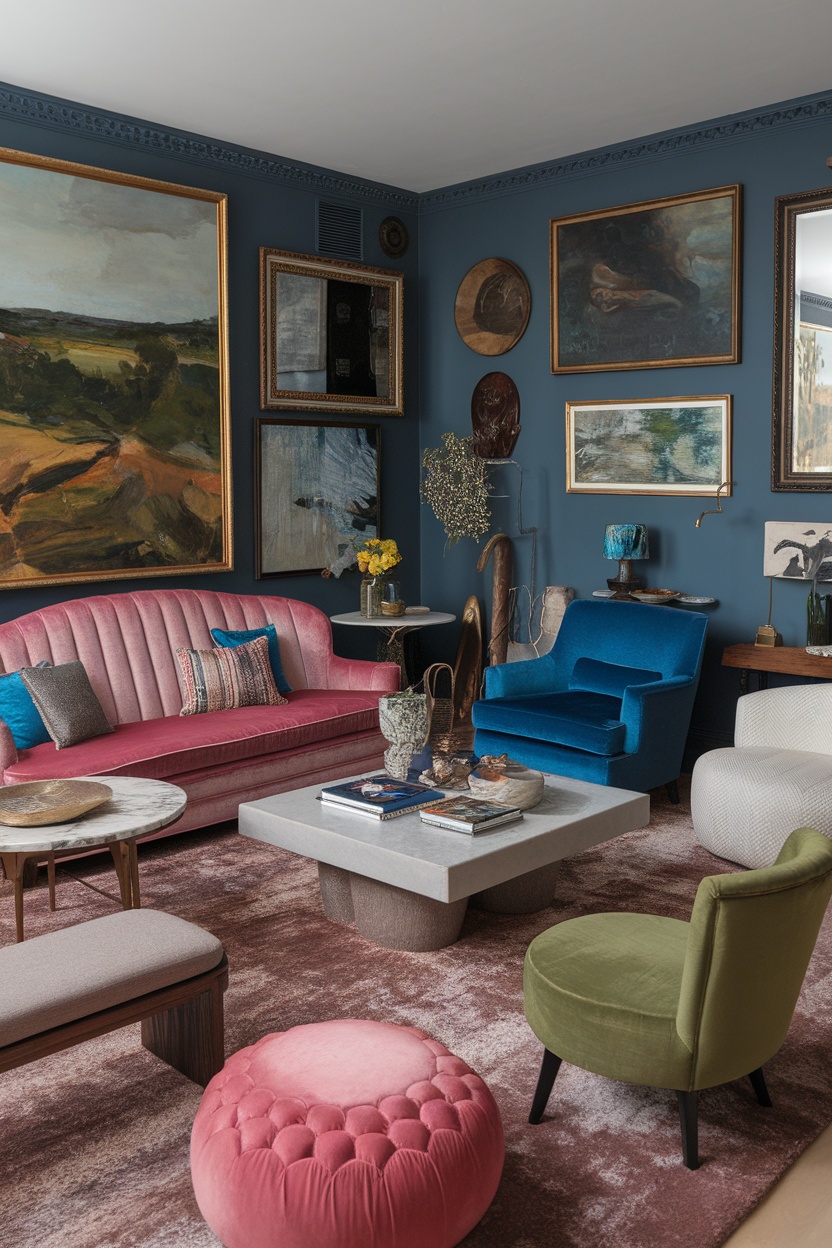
x,y
403,720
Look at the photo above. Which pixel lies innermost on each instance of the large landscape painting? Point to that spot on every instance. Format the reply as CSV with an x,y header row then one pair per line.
x,y
114,417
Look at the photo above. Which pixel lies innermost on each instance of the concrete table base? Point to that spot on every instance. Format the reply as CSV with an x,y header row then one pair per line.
x,y
526,893
387,915
406,884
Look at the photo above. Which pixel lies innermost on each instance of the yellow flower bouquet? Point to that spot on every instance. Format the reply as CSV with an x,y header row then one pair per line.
x,y
376,557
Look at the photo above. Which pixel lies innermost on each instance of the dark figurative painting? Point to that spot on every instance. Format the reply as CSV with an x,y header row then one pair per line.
x,y
317,494
647,285
114,456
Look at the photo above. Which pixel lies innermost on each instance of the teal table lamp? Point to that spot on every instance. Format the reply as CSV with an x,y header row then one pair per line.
x,y
625,542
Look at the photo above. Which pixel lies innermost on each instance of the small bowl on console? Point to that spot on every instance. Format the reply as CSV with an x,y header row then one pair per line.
x,y
655,595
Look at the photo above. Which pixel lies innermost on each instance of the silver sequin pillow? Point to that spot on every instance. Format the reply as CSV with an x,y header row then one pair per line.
x,y
66,701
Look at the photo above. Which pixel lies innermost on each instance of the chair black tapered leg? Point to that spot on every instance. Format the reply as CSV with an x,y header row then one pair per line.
x,y
673,792
549,1067
758,1083
689,1118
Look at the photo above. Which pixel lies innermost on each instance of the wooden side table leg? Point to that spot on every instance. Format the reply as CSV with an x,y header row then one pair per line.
x,y
118,851
133,862
743,681
50,875
13,870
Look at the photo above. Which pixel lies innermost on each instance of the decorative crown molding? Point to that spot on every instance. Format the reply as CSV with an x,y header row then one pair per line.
x,y
62,115
43,110
729,130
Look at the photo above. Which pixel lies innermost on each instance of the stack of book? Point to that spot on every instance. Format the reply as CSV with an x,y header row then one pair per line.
x,y
469,814
380,796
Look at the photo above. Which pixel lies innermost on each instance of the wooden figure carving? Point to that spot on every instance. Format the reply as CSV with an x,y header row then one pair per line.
x,y
501,573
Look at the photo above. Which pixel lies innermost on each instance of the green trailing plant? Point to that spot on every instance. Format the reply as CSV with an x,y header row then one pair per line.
x,y
455,485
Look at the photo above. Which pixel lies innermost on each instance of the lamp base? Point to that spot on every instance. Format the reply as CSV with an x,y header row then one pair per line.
x,y
767,635
624,589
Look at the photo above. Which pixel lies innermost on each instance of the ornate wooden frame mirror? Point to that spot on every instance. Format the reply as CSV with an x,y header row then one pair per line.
x,y
802,426
330,335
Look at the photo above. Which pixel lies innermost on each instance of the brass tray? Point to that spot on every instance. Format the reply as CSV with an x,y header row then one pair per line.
x,y
42,802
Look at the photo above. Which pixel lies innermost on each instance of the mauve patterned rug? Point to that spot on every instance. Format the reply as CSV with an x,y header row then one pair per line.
x,y
95,1140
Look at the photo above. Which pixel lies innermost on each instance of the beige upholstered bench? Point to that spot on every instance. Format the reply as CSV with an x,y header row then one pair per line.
x,y
133,966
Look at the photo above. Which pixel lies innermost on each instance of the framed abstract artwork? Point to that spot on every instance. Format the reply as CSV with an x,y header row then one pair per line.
x,y
799,551
330,335
648,285
317,494
114,406
652,446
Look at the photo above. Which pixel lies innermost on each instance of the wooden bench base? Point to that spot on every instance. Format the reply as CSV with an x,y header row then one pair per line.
x,y
182,1024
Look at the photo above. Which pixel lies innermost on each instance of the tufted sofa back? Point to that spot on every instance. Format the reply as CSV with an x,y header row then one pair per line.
x,y
127,641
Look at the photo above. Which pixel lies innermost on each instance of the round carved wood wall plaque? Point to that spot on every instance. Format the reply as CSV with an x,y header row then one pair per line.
x,y
492,306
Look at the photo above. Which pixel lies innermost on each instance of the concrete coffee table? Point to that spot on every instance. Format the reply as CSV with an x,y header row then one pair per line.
x,y
407,885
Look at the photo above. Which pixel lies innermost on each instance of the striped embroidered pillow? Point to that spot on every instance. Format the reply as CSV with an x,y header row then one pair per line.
x,y
220,680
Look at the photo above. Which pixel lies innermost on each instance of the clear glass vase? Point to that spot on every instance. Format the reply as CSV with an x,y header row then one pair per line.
x,y
818,618
372,595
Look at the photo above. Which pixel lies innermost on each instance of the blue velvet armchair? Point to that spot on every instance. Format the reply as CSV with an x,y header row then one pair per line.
x,y
610,703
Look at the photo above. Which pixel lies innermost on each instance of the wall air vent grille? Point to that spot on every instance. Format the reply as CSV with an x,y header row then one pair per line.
x,y
340,231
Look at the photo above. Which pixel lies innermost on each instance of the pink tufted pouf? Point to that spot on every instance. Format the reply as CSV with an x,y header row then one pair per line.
x,y
345,1134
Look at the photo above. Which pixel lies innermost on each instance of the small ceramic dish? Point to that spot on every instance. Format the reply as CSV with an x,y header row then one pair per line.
x,y
656,595
603,593
693,600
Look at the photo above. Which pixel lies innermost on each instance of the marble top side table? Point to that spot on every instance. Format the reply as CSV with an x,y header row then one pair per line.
x,y
395,629
137,807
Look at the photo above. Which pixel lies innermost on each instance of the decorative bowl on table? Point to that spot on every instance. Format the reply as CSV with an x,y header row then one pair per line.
x,y
41,802
656,595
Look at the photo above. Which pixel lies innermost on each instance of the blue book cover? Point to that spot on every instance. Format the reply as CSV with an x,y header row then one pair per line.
x,y
380,795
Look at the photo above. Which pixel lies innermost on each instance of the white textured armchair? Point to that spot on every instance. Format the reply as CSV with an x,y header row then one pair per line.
x,y
777,777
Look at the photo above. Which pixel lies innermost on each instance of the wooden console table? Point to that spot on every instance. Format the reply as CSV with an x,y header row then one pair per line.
x,y
789,660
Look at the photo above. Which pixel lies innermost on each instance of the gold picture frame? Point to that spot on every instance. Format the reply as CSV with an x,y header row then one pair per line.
x,y
679,446
648,285
331,335
114,392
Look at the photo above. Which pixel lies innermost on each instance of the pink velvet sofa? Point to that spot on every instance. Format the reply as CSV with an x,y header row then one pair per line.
x,y
126,642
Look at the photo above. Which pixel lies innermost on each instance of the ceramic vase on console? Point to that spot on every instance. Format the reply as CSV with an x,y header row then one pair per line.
x,y
403,721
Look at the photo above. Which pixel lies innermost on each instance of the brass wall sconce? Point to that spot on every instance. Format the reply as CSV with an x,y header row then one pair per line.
x,y
715,511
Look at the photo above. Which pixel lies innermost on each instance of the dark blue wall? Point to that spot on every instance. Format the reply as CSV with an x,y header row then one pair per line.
x,y
773,153
270,203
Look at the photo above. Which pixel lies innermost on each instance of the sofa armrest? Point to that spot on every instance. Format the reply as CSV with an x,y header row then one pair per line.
x,y
363,674
798,717
511,680
658,712
8,749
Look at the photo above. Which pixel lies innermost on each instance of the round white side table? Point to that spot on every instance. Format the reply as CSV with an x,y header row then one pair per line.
x,y
395,628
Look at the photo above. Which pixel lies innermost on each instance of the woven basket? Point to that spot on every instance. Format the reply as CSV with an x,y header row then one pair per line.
x,y
445,734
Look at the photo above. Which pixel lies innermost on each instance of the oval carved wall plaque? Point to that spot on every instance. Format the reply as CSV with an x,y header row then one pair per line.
x,y
495,416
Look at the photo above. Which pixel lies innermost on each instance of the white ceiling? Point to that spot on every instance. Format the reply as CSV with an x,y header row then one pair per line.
x,y
420,93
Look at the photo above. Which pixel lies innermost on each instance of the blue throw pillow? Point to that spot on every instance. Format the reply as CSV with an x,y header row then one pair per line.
x,y
20,713
239,637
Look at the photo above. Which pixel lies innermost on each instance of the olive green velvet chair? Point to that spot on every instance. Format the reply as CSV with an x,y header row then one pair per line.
x,y
670,1004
